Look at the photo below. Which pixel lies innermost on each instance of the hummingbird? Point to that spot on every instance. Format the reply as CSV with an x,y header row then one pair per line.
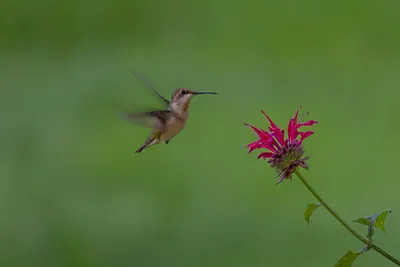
x,y
166,123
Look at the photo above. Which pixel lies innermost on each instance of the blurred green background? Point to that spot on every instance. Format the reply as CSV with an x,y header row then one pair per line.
x,y
74,193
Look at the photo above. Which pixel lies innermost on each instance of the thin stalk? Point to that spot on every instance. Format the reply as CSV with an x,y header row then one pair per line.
x,y
343,222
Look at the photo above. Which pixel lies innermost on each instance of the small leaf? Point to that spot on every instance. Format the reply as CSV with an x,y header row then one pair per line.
x,y
308,212
380,220
362,221
348,259
376,220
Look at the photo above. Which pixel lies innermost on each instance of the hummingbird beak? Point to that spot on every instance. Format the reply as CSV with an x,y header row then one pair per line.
x,y
204,93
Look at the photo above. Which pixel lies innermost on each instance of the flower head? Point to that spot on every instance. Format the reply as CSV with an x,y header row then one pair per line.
x,y
284,154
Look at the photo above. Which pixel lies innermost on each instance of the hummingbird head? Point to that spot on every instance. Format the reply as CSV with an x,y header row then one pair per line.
x,y
182,96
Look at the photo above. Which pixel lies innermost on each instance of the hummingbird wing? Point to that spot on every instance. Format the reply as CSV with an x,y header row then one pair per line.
x,y
148,85
156,119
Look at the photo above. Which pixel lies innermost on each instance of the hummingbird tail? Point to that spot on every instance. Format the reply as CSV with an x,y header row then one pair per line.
x,y
141,149
149,142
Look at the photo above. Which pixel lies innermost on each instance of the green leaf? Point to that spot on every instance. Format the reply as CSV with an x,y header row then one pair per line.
x,y
380,220
308,212
348,259
376,220
362,221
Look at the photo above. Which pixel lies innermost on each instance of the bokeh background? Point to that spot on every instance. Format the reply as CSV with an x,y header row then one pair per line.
x,y
74,193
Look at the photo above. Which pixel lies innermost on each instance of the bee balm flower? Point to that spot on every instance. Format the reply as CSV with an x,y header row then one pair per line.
x,y
284,155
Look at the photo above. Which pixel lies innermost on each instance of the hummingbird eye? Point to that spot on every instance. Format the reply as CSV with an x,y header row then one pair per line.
x,y
183,92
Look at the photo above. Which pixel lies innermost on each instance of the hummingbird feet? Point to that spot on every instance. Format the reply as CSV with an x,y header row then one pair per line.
x,y
166,142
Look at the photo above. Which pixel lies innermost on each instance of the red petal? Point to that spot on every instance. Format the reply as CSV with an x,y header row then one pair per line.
x,y
268,140
291,130
292,127
297,114
304,135
277,132
261,133
273,125
265,155
254,145
270,144
307,123
261,144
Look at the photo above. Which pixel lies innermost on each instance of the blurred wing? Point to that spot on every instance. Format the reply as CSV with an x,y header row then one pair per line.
x,y
153,119
148,85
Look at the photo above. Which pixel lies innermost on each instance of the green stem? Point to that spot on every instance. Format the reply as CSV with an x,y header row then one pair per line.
x,y
343,222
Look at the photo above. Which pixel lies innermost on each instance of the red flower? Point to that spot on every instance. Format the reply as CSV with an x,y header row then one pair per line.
x,y
284,155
